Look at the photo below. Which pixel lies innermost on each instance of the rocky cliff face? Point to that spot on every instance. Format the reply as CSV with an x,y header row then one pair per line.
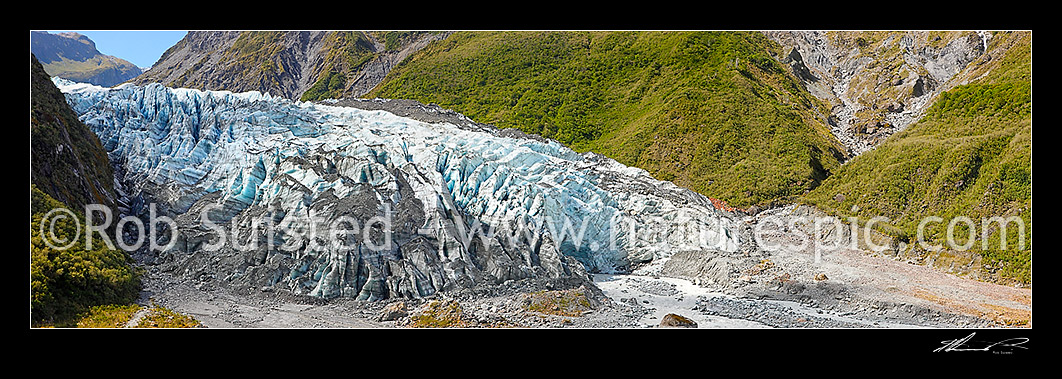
x,y
287,64
877,82
374,71
74,56
279,63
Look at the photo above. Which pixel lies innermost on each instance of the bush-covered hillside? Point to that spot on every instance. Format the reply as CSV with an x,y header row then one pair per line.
x,y
713,111
969,156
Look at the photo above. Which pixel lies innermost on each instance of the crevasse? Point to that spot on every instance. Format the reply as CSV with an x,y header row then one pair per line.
x,y
250,151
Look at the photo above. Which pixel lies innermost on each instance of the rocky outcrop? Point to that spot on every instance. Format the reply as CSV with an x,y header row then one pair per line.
x,y
672,320
285,64
394,311
711,269
278,63
373,72
877,82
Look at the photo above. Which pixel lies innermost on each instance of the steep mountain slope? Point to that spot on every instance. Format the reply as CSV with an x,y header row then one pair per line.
x,y
295,65
712,111
74,56
67,161
969,156
877,82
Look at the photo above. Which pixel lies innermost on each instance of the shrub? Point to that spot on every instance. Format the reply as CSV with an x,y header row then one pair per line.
x,y
67,282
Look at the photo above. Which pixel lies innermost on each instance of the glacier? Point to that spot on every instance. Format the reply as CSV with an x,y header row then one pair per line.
x,y
429,205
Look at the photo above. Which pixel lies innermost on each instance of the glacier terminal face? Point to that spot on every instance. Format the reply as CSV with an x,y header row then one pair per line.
x,y
336,201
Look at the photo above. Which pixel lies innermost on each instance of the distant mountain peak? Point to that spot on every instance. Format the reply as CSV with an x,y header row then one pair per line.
x,y
74,56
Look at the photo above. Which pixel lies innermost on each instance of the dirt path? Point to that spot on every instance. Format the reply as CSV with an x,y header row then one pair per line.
x,y
886,279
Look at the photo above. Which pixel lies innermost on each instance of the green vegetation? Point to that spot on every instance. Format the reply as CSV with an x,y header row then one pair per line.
x,y
65,282
570,303
118,316
716,112
330,86
969,156
393,39
68,161
75,281
712,111
108,316
347,53
101,70
439,314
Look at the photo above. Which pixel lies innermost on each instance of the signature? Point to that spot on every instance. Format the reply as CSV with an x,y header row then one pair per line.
x,y
961,344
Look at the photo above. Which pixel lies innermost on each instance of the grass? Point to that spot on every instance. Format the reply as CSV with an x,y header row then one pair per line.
x,y
118,316
161,317
108,316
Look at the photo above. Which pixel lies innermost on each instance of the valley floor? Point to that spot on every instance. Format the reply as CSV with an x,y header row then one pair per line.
x,y
862,291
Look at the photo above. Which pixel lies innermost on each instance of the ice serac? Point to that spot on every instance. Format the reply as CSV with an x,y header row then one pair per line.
x,y
338,201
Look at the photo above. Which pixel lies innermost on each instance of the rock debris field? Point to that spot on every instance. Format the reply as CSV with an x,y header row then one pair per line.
x,y
851,290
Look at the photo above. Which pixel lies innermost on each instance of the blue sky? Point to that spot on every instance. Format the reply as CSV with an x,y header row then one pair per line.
x,y
141,47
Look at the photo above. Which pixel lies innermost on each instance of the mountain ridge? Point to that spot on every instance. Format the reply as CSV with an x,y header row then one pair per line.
x,y
74,56
297,65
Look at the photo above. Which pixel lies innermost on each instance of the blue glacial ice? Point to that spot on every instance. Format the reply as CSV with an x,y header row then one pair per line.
x,y
246,150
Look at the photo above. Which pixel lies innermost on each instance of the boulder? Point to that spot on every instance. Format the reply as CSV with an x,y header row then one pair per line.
x,y
394,311
672,320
